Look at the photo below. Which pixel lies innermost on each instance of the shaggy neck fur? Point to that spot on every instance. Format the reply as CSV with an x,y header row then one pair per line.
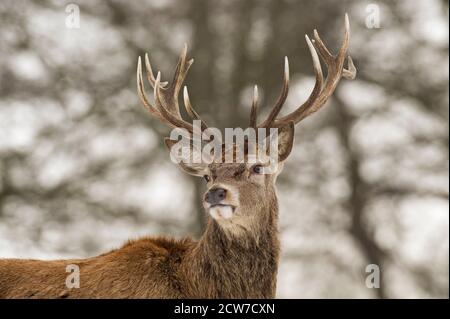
x,y
223,265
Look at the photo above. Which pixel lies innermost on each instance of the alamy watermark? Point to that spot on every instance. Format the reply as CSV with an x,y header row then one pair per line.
x,y
73,16
373,18
373,279
236,146
73,280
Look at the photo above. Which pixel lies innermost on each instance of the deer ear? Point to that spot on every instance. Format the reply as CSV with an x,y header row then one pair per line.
x,y
285,140
185,159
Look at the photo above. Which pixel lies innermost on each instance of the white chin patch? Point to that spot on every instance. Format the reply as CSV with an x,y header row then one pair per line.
x,y
221,212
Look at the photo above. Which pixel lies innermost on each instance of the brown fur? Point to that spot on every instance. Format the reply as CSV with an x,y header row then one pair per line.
x,y
227,262
236,257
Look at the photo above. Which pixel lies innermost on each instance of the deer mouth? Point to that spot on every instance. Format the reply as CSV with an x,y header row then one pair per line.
x,y
222,205
221,211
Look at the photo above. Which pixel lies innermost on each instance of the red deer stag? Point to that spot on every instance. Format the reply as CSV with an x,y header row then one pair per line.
x,y
238,254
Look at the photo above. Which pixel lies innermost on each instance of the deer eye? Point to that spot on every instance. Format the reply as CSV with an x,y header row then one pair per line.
x,y
207,178
257,169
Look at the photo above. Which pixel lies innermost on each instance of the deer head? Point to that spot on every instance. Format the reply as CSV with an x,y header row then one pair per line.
x,y
240,194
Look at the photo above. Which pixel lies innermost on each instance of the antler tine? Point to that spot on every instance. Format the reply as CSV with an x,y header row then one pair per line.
x,y
344,47
190,110
169,95
254,111
300,111
181,69
169,117
281,99
324,53
142,95
323,89
350,72
317,71
150,77
166,106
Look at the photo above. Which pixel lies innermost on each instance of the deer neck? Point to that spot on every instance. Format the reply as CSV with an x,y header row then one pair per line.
x,y
238,266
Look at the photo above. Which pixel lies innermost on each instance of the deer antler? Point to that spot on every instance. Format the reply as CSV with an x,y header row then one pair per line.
x,y
166,108
322,90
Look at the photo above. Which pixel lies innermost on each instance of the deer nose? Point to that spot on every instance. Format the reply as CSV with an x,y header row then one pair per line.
x,y
215,195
